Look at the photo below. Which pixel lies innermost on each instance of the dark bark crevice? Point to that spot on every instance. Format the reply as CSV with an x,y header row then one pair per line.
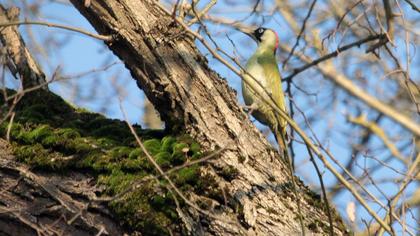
x,y
192,99
196,100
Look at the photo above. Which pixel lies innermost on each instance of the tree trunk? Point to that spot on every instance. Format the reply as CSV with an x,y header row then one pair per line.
x,y
42,203
191,98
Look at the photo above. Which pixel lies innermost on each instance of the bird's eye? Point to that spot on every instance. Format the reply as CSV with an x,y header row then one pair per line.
x,y
260,31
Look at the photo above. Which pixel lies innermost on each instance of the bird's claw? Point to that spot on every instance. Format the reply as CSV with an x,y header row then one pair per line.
x,y
250,108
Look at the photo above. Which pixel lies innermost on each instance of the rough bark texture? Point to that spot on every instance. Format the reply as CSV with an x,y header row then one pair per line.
x,y
192,98
19,60
41,203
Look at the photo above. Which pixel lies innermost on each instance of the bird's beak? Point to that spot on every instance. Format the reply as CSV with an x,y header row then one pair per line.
x,y
248,31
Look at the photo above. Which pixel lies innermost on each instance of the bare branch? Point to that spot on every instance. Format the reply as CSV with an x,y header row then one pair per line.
x,y
19,58
333,54
106,38
413,6
302,29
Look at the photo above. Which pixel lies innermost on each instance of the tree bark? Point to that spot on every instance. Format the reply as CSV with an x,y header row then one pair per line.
x,y
190,97
42,203
19,60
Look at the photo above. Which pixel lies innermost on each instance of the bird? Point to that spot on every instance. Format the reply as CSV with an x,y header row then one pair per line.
x,y
262,79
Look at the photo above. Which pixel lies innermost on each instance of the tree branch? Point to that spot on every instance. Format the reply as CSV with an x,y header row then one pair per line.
x,y
161,56
343,82
300,33
333,54
19,59
48,24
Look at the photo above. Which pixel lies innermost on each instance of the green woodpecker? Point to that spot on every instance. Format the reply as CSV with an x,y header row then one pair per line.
x,y
262,73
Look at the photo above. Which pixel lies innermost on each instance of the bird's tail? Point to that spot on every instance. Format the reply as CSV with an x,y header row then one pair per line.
x,y
282,139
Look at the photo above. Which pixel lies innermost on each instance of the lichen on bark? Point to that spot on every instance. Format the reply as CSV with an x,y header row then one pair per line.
x,y
55,136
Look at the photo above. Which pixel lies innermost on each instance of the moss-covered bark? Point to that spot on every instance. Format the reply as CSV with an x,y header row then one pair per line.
x,y
54,136
163,59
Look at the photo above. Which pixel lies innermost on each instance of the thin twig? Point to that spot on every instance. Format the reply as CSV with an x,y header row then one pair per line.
x,y
340,21
300,33
324,191
9,126
293,124
106,38
389,19
165,176
333,54
203,12
413,6
378,131
138,183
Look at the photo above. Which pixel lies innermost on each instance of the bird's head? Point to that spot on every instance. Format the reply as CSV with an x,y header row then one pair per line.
x,y
266,38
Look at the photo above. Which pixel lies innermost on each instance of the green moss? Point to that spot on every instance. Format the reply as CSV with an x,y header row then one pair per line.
x,y
26,152
37,134
146,164
121,152
78,145
15,129
152,146
53,135
196,150
167,143
148,203
39,157
68,133
106,142
163,159
131,165
135,153
179,151
35,113
188,175
50,140
112,131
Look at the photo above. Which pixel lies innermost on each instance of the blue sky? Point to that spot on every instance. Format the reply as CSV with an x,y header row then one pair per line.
x,y
97,91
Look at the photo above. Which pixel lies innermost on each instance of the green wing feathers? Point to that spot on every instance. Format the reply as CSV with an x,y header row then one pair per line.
x,y
274,81
273,77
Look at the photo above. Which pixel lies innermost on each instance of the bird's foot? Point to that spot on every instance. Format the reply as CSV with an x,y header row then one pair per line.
x,y
250,108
